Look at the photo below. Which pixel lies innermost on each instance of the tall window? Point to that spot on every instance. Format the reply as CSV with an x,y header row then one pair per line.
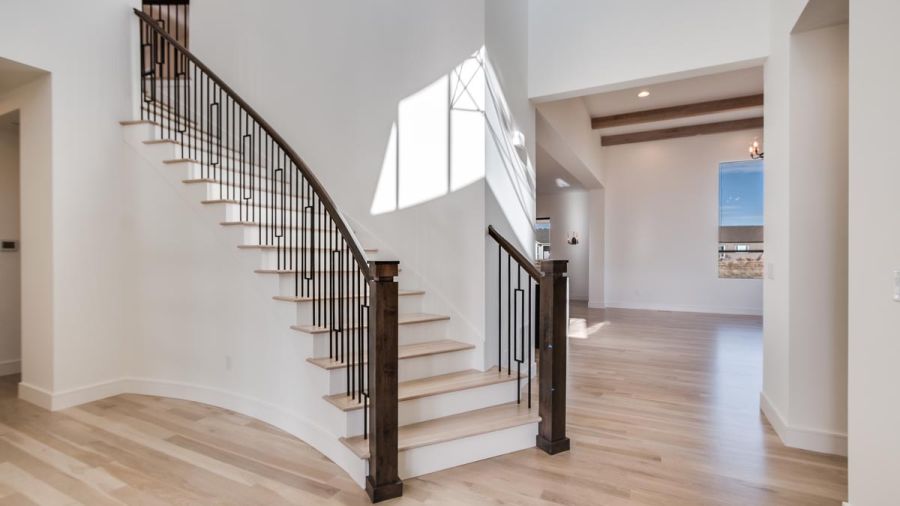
x,y
741,219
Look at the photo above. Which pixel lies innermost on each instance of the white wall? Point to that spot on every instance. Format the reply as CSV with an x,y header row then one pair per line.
x,y
564,132
662,226
818,224
577,46
776,286
597,248
570,211
10,297
32,100
73,257
805,329
509,173
874,253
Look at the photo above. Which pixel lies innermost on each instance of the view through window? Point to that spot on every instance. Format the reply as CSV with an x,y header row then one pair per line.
x,y
741,219
542,239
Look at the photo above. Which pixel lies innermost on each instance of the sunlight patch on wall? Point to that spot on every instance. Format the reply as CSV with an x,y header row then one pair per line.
x,y
445,137
423,145
385,199
467,101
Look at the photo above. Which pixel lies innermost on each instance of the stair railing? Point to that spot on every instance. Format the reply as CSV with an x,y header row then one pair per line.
x,y
253,168
525,323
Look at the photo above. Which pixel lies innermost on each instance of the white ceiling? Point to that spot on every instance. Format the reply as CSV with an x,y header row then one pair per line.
x,y
723,85
735,83
731,84
13,74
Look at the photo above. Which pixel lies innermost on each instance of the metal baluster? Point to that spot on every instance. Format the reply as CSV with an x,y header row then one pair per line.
x,y
532,323
508,316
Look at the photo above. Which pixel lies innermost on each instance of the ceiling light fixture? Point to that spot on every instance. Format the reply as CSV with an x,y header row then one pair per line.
x,y
644,94
755,151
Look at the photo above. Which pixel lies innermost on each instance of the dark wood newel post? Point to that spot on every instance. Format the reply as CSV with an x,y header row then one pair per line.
x,y
552,369
383,481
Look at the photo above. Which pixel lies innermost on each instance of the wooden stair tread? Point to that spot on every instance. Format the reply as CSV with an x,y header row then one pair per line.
x,y
306,298
449,428
402,319
435,385
404,351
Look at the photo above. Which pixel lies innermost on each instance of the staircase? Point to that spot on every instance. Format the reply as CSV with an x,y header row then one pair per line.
x,y
417,410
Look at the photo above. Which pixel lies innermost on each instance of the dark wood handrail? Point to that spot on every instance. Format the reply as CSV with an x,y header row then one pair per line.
x,y
339,221
516,254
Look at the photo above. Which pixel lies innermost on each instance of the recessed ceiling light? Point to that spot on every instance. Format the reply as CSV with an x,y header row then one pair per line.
x,y
562,183
644,94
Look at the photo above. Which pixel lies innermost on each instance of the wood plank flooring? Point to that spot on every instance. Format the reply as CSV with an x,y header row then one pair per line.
x,y
663,410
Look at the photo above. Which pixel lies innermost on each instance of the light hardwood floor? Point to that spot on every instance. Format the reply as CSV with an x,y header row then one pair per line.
x,y
663,410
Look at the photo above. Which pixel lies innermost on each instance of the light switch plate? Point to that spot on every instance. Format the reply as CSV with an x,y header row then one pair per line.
x,y
897,285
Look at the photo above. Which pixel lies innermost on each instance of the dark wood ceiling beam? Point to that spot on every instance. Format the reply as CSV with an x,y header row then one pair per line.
x,y
684,131
678,111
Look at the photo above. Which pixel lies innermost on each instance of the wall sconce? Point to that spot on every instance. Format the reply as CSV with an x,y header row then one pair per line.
x,y
572,238
755,152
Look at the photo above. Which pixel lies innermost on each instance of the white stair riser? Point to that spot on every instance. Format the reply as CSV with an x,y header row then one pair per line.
x,y
407,304
432,458
232,177
406,334
410,368
438,406
250,234
175,151
271,258
259,197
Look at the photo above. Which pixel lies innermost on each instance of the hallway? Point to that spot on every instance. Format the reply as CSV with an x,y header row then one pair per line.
x,y
663,409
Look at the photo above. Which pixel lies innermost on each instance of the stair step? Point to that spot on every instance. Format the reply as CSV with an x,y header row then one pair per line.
x,y
441,430
403,319
258,224
435,385
257,169
404,351
311,272
244,203
273,247
287,298
262,189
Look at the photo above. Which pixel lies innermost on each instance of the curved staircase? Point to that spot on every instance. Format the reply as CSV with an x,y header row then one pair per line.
x,y
440,412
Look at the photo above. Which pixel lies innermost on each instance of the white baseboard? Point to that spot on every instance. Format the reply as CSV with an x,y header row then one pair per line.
x,y
596,304
8,367
289,421
36,395
750,311
804,438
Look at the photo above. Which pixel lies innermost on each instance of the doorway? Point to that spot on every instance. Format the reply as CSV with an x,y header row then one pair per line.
x,y
10,262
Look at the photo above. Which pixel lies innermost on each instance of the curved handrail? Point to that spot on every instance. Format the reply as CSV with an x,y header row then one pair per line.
x,y
338,218
513,252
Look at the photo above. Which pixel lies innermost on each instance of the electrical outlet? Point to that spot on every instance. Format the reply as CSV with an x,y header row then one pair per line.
x,y
770,270
227,362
